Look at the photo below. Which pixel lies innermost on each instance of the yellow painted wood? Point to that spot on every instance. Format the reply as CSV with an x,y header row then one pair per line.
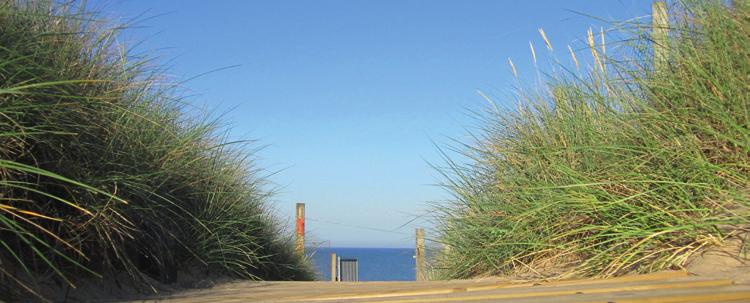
x,y
535,293
492,286
741,296
662,275
667,287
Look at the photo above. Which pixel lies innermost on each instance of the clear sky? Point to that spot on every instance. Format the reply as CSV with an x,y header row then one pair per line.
x,y
349,97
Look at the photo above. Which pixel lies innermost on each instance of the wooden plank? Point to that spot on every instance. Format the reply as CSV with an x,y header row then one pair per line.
x,y
667,287
662,275
683,292
447,289
532,293
712,297
697,294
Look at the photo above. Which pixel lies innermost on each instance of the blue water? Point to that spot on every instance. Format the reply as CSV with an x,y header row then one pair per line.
x,y
375,264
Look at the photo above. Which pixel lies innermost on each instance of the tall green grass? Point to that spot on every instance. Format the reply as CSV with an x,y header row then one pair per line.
x,y
103,170
621,169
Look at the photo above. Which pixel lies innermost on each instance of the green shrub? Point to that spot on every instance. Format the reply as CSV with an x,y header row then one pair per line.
x,y
103,170
624,169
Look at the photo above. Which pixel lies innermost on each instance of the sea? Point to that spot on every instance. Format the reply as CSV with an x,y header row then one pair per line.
x,y
375,264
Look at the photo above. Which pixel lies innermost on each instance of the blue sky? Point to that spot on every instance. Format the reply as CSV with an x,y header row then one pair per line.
x,y
349,97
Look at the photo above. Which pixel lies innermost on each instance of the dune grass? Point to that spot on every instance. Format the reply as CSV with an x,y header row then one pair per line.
x,y
621,169
104,171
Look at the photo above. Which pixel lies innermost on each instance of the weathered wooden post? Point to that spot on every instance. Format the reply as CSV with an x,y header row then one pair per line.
x,y
420,255
334,277
300,243
659,33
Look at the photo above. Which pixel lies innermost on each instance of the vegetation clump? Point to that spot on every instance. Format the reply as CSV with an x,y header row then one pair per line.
x,y
628,168
105,176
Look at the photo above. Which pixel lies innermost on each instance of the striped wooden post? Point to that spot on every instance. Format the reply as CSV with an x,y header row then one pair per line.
x,y
300,241
659,32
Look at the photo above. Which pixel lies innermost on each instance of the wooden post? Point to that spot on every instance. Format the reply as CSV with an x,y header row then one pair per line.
x,y
300,243
334,278
659,32
420,255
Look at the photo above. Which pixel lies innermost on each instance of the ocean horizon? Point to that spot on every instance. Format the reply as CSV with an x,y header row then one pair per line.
x,y
375,264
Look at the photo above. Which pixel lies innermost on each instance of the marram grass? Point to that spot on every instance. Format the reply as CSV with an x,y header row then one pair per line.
x,y
104,172
624,169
